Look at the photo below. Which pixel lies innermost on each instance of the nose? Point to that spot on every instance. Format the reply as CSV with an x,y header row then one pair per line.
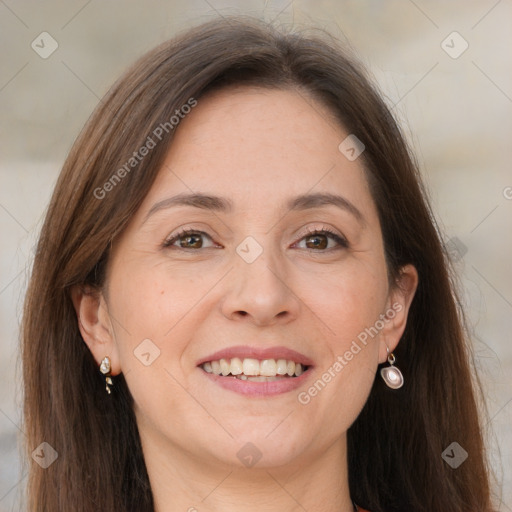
x,y
260,292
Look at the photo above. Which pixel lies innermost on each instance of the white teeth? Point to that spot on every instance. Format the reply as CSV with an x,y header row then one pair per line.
x,y
225,366
268,367
216,367
236,366
260,378
249,367
281,367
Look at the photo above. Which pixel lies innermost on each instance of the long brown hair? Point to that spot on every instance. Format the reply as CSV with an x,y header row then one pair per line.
x,y
395,446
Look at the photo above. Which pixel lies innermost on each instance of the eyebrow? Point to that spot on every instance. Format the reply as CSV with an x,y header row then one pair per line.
x,y
225,205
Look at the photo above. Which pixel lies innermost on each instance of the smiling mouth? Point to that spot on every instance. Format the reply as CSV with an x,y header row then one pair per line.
x,y
254,370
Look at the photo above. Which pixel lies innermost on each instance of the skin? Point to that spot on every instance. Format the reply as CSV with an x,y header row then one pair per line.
x,y
257,147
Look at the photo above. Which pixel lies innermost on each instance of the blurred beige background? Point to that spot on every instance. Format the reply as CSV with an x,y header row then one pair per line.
x,y
452,93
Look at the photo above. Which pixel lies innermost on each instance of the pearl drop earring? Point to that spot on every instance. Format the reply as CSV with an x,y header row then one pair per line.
x,y
391,375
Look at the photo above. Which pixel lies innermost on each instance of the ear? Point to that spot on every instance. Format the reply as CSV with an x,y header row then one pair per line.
x,y
397,310
95,324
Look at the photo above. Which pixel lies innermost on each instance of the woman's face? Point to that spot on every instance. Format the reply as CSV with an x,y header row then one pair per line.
x,y
249,280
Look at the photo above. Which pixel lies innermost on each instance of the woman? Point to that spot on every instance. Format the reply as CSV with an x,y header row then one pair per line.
x,y
240,298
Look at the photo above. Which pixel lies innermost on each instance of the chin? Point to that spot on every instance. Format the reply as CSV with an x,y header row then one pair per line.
x,y
263,448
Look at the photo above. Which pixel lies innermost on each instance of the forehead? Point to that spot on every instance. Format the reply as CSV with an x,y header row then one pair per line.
x,y
262,123
259,146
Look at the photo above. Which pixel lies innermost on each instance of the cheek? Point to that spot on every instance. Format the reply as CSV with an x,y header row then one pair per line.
x,y
348,299
349,304
140,307
157,309
149,308
147,298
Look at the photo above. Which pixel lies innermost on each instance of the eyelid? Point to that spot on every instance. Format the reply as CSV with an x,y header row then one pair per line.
x,y
171,239
309,231
313,230
328,232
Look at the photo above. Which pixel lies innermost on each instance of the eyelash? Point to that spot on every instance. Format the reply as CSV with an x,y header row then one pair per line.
x,y
325,231
330,234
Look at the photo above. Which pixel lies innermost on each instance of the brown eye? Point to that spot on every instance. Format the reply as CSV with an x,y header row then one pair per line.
x,y
320,240
317,242
192,241
188,239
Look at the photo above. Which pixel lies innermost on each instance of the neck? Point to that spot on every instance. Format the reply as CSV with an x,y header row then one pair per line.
x,y
182,481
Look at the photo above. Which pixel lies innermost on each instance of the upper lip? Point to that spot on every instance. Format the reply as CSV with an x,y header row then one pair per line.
x,y
245,351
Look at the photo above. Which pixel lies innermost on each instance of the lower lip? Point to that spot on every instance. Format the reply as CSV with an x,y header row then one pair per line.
x,y
248,388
